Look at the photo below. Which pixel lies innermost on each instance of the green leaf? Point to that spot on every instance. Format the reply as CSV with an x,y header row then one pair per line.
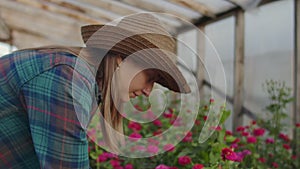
x,y
225,115
230,139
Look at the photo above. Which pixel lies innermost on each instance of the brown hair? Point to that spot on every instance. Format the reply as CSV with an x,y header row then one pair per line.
x,y
112,119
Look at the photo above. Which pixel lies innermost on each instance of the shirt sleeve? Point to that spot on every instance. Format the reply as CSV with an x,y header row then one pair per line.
x,y
59,102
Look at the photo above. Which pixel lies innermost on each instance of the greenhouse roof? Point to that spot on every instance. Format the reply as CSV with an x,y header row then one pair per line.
x,y
28,23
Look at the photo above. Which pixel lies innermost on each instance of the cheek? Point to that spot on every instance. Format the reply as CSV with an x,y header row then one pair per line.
x,y
139,82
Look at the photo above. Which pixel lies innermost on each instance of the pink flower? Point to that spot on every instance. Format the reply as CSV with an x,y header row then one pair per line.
x,y
198,166
241,155
251,139
228,154
262,160
152,149
135,136
153,141
258,132
115,163
234,146
286,146
169,147
134,126
101,158
161,166
157,123
270,141
176,122
184,160
128,166
211,100
188,137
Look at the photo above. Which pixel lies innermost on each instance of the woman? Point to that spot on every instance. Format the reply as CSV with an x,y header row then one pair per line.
x,y
48,95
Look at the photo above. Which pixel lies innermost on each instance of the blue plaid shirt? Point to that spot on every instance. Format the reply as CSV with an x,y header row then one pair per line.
x,y
46,99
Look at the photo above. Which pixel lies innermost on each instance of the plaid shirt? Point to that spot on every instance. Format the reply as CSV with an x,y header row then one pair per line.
x,y
45,103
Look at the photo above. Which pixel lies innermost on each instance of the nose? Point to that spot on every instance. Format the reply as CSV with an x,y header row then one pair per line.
x,y
146,91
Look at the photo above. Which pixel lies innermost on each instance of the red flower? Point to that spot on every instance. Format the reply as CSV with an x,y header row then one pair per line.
x,y
168,114
198,166
135,136
184,160
218,128
253,122
245,134
228,154
211,100
157,123
237,140
188,137
161,166
134,126
275,165
169,147
240,128
251,139
270,141
284,137
128,166
204,118
262,160
228,133
298,125
157,132
286,146
258,132
115,163
101,158
197,122
294,157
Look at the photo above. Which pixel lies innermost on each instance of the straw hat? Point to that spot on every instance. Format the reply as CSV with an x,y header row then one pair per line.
x,y
143,35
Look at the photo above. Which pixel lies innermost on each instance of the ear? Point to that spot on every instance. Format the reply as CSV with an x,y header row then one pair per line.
x,y
119,60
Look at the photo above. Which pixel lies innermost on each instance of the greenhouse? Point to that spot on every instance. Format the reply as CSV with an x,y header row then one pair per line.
x,y
216,84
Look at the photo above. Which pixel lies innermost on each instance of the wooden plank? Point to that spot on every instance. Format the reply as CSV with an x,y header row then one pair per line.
x,y
87,9
36,21
4,30
164,7
24,40
200,72
296,115
51,7
196,6
238,69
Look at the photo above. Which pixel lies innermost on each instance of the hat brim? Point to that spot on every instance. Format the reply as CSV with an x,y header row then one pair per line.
x,y
127,43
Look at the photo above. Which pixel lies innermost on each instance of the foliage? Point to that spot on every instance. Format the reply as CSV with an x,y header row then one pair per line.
x,y
259,145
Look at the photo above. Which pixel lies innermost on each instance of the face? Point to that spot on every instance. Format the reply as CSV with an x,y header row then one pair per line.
x,y
135,81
